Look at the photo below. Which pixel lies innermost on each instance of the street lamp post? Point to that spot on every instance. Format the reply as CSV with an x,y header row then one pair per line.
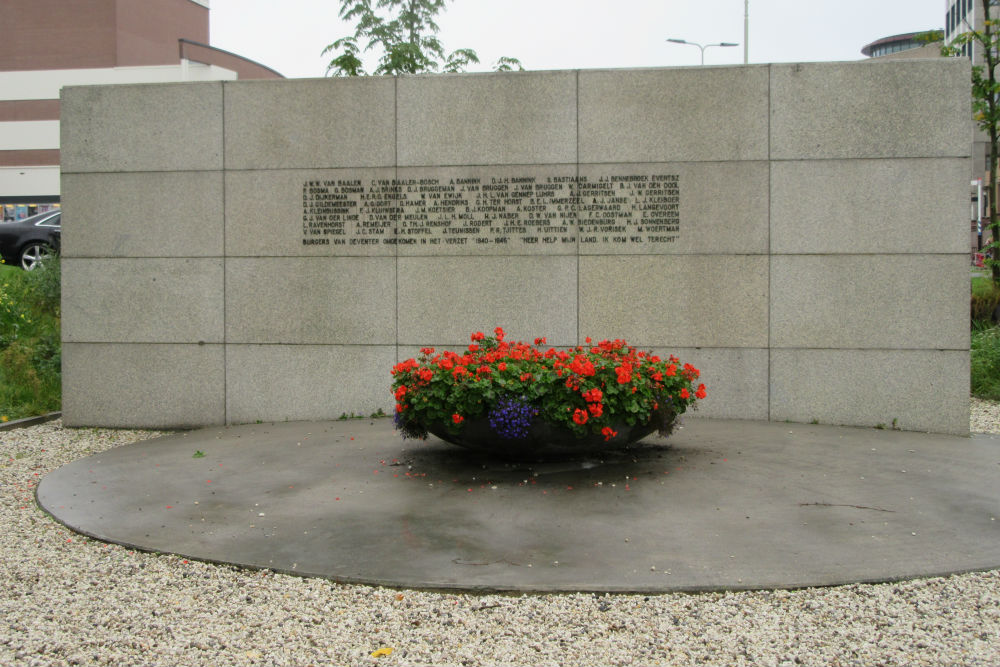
x,y
746,32
700,46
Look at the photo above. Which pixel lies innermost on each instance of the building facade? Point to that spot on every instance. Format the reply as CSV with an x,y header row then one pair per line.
x,y
907,45
48,44
962,16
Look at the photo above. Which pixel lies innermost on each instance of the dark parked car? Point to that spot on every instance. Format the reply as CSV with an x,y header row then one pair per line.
x,y
26,242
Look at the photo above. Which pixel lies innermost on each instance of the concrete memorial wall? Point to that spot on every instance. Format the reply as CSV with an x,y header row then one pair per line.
x,y
267,250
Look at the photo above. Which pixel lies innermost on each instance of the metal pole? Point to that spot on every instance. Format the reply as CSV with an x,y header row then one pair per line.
x,y
700,46
746,32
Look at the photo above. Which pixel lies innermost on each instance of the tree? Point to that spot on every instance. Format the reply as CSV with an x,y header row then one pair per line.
x,y
986,111
407,37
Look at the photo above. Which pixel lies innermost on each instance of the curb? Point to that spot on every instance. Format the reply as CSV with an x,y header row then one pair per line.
x,y
29,421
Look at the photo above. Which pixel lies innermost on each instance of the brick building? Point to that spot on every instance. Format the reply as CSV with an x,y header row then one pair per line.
x,y
48,44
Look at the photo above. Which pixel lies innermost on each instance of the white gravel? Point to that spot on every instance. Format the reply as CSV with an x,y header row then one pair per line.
x,y
65,599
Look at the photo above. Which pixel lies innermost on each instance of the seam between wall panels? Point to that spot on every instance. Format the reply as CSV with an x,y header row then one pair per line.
x,y
225,301
579,287
395,163
770,256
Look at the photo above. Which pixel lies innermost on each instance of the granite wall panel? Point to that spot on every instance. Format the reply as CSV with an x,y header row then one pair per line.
x,y
303,382
176,300
147,127
143,386
258,250
143,214
309,124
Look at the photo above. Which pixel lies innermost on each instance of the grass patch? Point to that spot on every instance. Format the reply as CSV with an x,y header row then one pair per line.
x,y
30,349
985,299
985,361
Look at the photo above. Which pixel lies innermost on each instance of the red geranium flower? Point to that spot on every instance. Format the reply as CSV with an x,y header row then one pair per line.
x,y
457,418
580,416
684,393
596,409
701,392
608,433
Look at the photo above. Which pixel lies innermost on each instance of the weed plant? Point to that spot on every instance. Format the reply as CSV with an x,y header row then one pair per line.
x,y
985,361
985,299
30,350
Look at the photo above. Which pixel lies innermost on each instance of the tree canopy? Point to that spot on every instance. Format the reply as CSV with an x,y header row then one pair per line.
x,y
405,32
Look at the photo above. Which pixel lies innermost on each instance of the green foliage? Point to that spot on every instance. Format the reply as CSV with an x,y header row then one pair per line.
x,y
30,349
985,361
405,32
985,299
930,37
986,111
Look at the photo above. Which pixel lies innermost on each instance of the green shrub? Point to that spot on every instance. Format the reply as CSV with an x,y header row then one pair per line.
x,y
985,299
985,361
30,348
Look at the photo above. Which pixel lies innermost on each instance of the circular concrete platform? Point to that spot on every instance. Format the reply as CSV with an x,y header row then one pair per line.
x,y
720,505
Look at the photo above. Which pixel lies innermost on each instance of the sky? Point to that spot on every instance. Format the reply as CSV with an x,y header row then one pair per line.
x,y
289,35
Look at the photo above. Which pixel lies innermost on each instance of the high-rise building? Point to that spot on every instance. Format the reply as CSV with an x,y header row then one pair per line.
x,y
48,44
962,16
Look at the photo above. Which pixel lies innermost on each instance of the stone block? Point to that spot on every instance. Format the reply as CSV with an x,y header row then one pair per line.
x,y
310,123
142,300
143,386
674,115
172,214
441,300
674,208
676,301
313,213
735,380
321,300
514,118
922,390
870,109
304,382
143,127
870,301
869,206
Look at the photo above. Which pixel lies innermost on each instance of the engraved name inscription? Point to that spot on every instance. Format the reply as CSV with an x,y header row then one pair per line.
x,y
512,212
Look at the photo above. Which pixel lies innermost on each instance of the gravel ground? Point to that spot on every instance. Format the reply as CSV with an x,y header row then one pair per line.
x,y
66,599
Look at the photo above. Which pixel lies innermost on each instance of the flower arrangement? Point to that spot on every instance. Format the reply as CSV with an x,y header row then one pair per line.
x,y
592,390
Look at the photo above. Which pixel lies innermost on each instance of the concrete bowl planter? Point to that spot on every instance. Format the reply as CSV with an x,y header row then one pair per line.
x,y
516,400
540,441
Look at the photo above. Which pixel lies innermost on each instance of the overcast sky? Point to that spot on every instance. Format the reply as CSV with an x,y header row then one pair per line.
x,y
289,35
